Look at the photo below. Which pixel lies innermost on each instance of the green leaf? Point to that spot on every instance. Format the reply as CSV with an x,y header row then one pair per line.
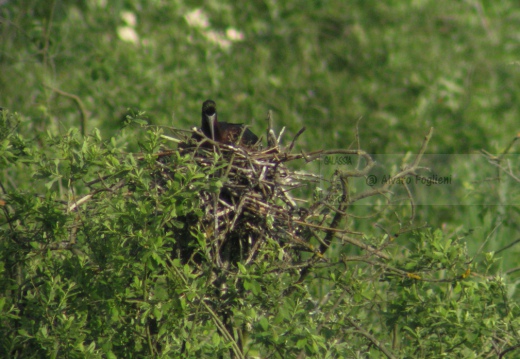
x,y
264,323
215,339
242,269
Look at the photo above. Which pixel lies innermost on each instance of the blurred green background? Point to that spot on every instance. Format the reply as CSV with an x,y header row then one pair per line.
x,y
399,66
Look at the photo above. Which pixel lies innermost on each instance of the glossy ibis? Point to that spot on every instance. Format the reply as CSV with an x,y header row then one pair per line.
x,y
224,132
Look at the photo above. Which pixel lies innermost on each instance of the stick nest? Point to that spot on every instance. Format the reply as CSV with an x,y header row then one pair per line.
x,y
253,206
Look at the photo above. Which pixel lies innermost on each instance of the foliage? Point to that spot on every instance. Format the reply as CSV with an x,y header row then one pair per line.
x,y
97,275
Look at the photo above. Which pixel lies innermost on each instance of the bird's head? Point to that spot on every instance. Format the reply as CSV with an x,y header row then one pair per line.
x,y
209,118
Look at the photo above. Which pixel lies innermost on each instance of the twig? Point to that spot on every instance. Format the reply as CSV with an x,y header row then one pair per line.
x,y
271,137
79,104
302,130
370,337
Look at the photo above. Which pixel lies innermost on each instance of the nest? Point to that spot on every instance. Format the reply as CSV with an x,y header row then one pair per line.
x,y
253,206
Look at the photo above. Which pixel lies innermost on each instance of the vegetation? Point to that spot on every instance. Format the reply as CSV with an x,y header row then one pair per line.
x,y
89,245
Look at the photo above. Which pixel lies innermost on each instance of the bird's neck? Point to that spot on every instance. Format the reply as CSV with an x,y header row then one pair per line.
x,y
210,126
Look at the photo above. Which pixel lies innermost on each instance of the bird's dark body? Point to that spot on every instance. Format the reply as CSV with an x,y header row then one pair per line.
x,y
224,132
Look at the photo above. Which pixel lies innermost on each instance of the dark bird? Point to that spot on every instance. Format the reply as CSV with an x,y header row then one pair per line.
x,y
224,132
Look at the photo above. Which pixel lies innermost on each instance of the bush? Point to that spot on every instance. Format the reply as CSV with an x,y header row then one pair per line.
x,y
93,265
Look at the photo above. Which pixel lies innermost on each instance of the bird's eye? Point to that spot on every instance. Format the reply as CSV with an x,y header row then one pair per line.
x,y
209,111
